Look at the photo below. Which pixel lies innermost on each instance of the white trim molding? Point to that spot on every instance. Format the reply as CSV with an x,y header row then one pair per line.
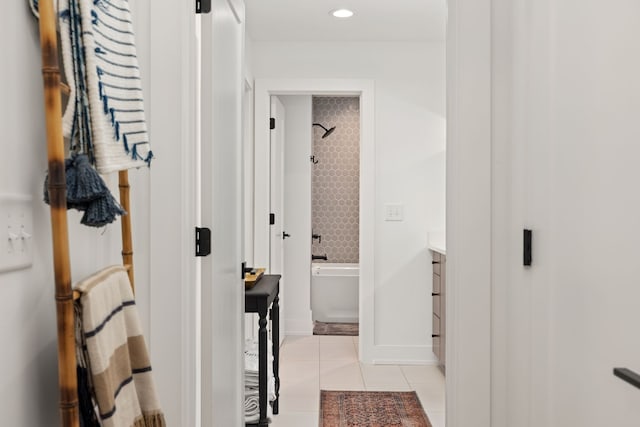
x,y
365,89
469,213
298,327
404,355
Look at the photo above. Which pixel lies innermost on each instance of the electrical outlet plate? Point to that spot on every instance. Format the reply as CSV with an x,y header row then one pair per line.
x,y
16,232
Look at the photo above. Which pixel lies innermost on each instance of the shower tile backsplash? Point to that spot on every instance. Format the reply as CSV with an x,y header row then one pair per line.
x,y
336,178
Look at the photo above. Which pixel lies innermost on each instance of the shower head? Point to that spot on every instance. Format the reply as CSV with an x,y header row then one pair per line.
x,y
327,132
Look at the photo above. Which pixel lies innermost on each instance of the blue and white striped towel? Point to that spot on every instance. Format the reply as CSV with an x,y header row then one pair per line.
x,y
105,115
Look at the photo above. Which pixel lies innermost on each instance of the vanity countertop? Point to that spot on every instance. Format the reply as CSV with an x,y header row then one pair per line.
x,y
438,242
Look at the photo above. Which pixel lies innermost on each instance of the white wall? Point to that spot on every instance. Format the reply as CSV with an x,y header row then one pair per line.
x,y
248,123
297,214
469,226
28,373
410,130
250,320
140,179
567,100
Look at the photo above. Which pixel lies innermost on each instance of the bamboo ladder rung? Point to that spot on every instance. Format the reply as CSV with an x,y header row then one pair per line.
x,y
77,294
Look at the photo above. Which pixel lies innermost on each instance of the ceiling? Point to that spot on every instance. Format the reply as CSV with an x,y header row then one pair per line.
x,y
374,20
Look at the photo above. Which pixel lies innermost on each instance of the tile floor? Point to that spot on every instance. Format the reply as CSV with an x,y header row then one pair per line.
x,y
309,364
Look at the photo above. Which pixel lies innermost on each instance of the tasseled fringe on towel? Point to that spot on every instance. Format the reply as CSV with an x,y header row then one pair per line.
x,y
116,124
136,156
150,420
107,104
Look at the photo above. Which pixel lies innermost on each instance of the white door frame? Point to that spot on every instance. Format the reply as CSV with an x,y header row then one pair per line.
x,y
365,89
470,244
174,286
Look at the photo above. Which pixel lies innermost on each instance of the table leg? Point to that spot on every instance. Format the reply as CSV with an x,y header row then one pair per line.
x,y
275,319
262,371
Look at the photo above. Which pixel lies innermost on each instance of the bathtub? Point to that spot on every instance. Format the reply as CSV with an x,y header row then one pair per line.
x,y
334,292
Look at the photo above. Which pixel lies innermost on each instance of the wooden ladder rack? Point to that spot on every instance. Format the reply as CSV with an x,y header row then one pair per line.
x,y
64,294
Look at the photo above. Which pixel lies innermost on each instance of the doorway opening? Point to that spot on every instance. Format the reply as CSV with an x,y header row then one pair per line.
x,y
335,211
314,212
370,348
301,92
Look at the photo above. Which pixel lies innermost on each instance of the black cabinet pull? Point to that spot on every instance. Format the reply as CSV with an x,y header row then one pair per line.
x,y
627,375
433,294
435,336
435,262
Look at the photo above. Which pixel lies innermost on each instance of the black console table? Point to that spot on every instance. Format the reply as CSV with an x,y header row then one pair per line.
x,y
258,300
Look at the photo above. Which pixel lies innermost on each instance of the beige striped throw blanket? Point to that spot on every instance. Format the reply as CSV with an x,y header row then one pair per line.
x,y
120,370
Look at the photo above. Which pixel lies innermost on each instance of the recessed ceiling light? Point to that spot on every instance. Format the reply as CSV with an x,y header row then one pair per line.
x,y
342,13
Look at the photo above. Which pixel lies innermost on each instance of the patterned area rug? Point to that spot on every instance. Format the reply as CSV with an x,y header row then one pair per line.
x,y
349,329
371,409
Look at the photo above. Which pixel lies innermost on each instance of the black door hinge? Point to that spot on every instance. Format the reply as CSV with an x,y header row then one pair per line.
x,y
272,123
527,239
203,241
203,6
272,219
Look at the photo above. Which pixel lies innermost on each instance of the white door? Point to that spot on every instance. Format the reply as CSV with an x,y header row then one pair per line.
x,y
277,232
297,209
574,314
222,195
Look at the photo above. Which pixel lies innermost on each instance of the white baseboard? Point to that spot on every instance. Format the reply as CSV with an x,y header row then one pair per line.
x,y
298,327
403,355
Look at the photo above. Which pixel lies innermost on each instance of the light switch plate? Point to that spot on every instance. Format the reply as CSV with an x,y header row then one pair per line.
x,y
16,232
394,212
